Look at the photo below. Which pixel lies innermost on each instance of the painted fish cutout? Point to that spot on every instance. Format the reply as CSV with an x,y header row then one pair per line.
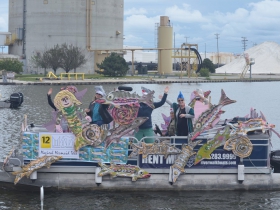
x,y
123,171
210,117
125,114
206,150
34,165
154,149
121,97
179,166
117,132
7,159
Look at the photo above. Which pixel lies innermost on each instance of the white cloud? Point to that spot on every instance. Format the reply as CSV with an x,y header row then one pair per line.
x,y
134,11
184,14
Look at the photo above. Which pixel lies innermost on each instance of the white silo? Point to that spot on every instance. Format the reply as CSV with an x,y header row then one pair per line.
x,y
165,32
88,24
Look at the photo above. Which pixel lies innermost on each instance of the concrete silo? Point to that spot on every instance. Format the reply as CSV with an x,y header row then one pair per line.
x,y
165,32
88,24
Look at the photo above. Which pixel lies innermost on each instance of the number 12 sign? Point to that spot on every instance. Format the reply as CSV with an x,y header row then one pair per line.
x,y
60,144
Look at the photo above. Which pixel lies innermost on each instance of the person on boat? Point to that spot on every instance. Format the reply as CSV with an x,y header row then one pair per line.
x,y
199,95
146,129
183,116
171,128
98,111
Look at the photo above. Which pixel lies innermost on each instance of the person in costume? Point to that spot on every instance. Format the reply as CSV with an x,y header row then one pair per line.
x,y
183,116
98,111
146,129
171,128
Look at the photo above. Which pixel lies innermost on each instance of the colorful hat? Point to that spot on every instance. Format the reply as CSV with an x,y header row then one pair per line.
x,y
70,88
180,95
100,90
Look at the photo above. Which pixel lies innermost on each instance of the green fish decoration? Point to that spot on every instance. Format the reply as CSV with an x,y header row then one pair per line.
x,y
205,150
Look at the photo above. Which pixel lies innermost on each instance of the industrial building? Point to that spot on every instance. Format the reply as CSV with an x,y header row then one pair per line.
x,y
37,25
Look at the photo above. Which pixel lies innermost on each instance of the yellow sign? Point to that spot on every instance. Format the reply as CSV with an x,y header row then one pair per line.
x,y
46,141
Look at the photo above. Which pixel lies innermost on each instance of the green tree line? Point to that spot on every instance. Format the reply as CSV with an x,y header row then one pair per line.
x,y
67,57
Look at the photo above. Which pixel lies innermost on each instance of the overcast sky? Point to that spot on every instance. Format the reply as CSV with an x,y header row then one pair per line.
x,y
198,20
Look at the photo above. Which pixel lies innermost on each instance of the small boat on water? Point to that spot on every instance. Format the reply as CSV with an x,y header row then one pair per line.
x,y
15,101
228,155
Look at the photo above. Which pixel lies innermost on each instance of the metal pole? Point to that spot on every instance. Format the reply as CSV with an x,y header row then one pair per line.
x,y
181,62
250,71
132,60
189,61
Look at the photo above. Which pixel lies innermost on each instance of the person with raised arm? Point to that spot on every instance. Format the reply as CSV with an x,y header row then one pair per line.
x,y
146,129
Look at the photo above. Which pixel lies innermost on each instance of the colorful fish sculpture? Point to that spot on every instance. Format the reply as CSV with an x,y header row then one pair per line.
x,y
179,166
205,150
117,132
153,149
34,165
120,97
210,117
6,161
123,171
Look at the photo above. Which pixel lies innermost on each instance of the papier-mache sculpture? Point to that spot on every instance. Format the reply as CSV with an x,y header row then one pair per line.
x,y
68,106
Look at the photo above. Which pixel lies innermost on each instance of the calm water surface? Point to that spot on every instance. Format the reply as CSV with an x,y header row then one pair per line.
x,y
262,96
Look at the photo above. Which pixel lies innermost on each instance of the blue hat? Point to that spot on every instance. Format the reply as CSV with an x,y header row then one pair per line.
x,y
180,95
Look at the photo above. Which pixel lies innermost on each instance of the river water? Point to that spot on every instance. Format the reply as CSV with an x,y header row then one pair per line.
x,y
262,96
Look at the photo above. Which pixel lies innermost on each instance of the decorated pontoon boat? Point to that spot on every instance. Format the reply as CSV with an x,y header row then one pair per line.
x,y
218,154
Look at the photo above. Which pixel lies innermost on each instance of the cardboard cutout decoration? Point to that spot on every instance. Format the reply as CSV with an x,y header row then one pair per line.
x,y
120,130
68,106
210,117
123,171
241,146
34,165
206,150
155,149
50,126
120,97
179,166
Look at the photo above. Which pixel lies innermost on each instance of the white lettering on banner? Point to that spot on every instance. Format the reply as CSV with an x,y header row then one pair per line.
x,y
153,159
150,159
63,142
218,156
170,159
216,162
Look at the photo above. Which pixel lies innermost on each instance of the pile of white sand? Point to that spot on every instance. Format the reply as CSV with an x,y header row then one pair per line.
x,y
267,60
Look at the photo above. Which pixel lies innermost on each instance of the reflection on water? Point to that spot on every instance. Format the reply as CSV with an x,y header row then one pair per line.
x,y
261,96
98,200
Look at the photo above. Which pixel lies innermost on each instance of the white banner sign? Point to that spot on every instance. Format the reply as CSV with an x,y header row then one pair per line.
x,y
57,144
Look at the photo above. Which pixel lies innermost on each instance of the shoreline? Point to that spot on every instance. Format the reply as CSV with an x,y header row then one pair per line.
x,y
136,81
